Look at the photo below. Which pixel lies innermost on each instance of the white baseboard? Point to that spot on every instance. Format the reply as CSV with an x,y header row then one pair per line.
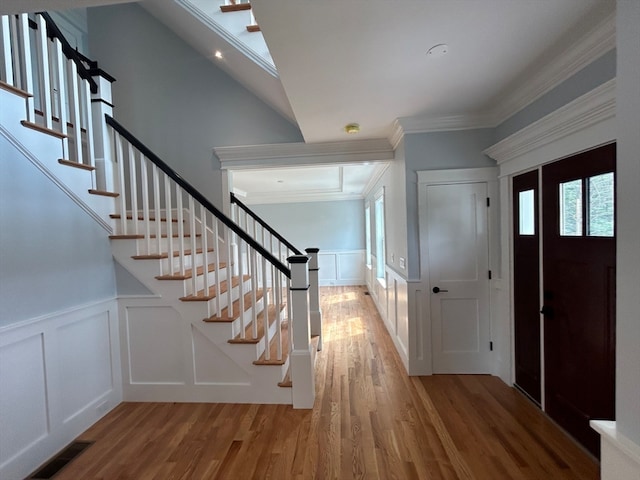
x,y
59,374
620,457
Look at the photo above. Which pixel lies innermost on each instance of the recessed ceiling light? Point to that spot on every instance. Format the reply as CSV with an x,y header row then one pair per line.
x,y
438,50
280,181
352,128
218,54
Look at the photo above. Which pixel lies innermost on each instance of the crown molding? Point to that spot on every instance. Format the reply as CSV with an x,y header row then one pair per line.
x,y
545,74
262,199
228,37
297,154
589,109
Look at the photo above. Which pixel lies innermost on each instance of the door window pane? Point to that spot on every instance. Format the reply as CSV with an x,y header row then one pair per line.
x,y
526,210
601,205
571,208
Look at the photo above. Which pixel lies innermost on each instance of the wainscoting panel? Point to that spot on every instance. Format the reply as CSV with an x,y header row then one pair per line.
x,y
391,298
154,355
341,268
59,374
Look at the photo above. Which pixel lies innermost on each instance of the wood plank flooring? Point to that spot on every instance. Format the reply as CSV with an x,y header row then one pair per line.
x,y
370,421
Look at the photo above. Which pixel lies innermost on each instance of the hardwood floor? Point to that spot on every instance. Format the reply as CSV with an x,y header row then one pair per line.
x,y
370,421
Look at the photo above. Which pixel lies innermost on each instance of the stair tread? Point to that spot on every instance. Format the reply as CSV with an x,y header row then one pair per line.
x,y
201,296
273,349
224,314
103,193
158,256
286,381
42,129
248,331
211,267
117,216
136,236
235,8
253,28
69,163
16,90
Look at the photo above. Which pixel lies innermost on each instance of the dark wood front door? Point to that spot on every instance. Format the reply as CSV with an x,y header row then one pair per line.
x,y
526,283
579,291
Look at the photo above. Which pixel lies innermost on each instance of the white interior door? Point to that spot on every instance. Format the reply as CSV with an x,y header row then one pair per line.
x,y
455,229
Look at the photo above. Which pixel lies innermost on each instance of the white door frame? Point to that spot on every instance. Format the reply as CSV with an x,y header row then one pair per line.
x,y
488,175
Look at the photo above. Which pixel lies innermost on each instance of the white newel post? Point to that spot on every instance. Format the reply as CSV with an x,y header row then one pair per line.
x,y
315,314
101,104
301,358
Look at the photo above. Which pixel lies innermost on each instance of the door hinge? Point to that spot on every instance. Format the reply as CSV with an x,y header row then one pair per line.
x,y
491,346
489,274
488,202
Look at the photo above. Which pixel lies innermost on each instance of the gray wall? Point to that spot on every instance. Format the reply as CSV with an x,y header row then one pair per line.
x,y
336,225
436,151
53,256
594,74
176,101
628,227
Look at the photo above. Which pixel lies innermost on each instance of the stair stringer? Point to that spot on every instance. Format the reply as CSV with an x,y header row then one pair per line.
x,y
44,151
203,346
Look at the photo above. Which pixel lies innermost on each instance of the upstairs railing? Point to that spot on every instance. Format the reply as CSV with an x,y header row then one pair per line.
x,y
68,96
37,60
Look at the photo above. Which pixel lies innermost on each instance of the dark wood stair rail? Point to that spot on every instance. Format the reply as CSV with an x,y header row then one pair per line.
x,y
196,195
269,228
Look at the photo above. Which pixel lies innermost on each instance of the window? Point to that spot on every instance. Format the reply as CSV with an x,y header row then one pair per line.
x,y
526,211
598,193
601,202
380,234
571,208
367,233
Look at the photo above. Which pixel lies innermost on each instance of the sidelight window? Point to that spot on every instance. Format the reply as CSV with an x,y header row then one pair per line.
x,y
526,212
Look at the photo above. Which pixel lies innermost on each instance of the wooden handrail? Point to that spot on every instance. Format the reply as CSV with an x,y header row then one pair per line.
x,y
270,229
196,194
71,53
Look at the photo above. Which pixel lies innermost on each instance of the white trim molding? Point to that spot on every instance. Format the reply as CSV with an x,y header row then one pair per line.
x,y
298,154
620,457
546,74
593,108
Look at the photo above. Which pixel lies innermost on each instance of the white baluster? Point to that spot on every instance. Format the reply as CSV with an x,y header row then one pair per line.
x,y
216,252
180,215
7,58
169,216
205,246
254,297
230,269
146,223
241,247
133,188
26,72
122,198
60,63
192,233
86,94
74,110
155,177
45,82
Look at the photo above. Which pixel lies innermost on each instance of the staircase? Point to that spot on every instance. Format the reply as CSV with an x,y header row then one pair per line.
x,y
230,315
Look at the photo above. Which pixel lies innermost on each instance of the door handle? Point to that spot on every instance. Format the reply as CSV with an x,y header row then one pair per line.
x,y
438,290
546,311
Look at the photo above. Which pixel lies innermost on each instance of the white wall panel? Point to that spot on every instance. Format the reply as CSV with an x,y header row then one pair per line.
x,y
84,351
341,268
23,396
154,344
58,375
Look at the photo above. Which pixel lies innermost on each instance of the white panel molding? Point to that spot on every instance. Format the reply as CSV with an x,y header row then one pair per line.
x,y
300,154
67,403
593,108
341,267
